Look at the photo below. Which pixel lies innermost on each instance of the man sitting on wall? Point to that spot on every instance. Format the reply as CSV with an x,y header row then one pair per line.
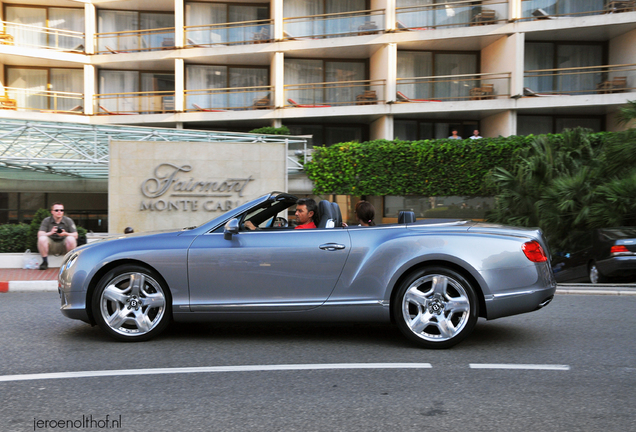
x,y
57,234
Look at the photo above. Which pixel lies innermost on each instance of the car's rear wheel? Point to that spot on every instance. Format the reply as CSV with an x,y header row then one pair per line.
x,y
132,304
595,275
436,307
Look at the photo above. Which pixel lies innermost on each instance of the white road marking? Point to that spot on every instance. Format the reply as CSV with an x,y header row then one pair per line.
x,y
518,366
211,369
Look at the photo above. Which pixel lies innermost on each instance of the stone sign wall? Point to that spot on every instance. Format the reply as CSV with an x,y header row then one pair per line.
x,y
165,185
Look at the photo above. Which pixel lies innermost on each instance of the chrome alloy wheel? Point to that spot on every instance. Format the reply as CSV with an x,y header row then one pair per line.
x,y
132,304
436,307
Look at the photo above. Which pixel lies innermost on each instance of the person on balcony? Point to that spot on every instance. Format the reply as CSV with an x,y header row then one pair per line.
x,y
475,135
454,135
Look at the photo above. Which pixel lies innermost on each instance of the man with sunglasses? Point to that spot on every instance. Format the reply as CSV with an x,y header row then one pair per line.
x,y
57,234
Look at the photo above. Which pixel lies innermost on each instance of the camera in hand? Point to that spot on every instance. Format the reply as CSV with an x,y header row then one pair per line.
x,y
59,230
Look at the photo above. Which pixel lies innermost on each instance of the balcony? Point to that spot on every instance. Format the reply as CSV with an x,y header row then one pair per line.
x,y
580,80
449,15
554,9
24,35
229,99
357,23
135,41
21,99
467,87
340,93
236,33
156,102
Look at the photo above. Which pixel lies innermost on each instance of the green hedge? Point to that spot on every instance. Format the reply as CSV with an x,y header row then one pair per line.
x,y
430,167
14,238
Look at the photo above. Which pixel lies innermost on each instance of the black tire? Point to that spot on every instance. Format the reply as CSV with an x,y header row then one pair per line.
x,y
436,307
131,303
595,275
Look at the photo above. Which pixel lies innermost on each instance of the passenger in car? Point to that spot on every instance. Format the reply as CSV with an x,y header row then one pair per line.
x,y
365,212
306,213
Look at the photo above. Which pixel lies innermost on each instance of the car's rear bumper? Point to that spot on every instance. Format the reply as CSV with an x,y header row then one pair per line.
x,y
524,290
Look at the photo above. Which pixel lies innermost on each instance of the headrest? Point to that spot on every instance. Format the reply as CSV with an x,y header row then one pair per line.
x,y
406,216
326,214
337,216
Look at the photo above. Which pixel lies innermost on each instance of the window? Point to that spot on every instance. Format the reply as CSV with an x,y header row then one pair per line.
x,y
541,55
207,78
134,91
302,71
201,15
130,22
438,207
413,130
27,26
419,64
539,125
46,89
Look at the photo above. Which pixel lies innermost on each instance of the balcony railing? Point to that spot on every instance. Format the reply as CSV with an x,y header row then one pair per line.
x,y
230,99
22,99
327,94
334,25
552,9
41,37
236,33
581,80
455,14
134,103
135,41
453,87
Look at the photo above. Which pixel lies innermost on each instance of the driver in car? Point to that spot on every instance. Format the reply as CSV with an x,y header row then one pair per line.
x,y
306,215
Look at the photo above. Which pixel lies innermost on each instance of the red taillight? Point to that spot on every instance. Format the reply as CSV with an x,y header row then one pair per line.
x,y
619,249
534,251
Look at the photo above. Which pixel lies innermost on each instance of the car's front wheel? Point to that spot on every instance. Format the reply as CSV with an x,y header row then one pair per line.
x,y
131,303
436,307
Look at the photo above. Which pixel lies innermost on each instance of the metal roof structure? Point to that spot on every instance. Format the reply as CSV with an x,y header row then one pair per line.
x,y
81,150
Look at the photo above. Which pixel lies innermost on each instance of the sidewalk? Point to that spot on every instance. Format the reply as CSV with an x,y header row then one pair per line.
x,y
28,280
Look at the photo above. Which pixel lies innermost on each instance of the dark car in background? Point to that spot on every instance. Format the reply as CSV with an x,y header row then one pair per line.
x,y
598,256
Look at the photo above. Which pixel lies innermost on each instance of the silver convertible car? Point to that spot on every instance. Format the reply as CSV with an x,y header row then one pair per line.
x,y
433,279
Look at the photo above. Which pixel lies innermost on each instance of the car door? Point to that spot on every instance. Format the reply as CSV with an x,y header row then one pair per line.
x,y
266,270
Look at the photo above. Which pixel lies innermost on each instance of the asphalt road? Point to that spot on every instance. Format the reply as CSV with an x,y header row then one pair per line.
x,y
578,360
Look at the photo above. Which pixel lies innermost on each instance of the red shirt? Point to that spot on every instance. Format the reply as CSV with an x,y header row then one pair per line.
x,y
308,225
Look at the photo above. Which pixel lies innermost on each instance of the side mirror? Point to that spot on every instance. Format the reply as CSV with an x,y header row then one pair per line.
x,y
231,227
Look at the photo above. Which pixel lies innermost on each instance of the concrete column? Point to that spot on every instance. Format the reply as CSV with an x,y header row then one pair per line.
x,y
179,85
389,12
382,128
503,123
277,16
278,79
383,66
90,88
90,24
179,23
277,122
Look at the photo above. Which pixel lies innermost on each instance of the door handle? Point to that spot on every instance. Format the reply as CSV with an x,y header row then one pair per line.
x,y
331,246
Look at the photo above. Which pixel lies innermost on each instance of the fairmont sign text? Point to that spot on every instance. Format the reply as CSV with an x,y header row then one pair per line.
x,y
172,189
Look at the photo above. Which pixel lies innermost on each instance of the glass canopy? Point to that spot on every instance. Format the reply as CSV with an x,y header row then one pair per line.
x,y
81,150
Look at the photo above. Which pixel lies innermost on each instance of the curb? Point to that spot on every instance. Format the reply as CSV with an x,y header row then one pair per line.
x,y
24,286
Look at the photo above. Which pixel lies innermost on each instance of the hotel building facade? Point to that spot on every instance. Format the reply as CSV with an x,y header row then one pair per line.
x,y
338,70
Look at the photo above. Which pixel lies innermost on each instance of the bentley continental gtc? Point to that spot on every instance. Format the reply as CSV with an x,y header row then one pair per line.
x,y
433,279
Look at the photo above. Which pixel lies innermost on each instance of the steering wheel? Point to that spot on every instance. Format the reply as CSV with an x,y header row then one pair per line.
x,y
278,222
